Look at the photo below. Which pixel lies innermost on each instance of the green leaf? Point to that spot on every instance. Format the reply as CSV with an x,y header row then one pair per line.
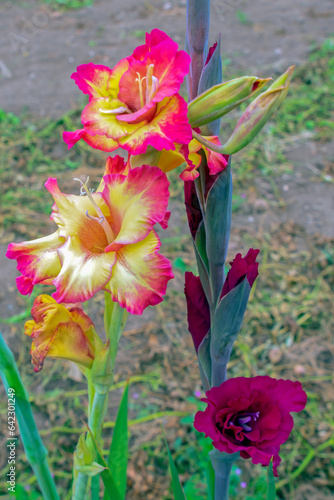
x,y
33,446
20,493
111,492
176,485
271,490
118,455
210,478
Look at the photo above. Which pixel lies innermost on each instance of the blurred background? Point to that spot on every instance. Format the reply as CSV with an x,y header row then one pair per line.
x,y
283,204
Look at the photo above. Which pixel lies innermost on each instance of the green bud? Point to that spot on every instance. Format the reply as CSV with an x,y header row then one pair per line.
x,y
221,99
102,370
83,454
258,113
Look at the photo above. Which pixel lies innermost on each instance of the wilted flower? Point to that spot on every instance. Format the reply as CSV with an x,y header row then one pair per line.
x,y
251,415
104,240
136,104
61,331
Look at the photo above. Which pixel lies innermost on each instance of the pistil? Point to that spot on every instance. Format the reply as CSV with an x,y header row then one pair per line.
x,y
101,218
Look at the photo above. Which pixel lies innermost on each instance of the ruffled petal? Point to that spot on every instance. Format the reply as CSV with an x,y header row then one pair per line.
x,y
37,260
170,125
137,202
70,214
82,273
101,142
170,64
140,275
92,79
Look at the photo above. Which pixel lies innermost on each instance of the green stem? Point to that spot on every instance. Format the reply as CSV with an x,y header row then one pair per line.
x,y
222,465
80,487
114,321
96,487
35,451
95,424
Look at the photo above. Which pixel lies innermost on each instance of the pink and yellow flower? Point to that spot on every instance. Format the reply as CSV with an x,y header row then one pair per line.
x,y
136,104
104,241
61,331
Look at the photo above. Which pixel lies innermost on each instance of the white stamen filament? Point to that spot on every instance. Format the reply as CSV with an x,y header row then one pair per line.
x,y
154,88
116,111
101,218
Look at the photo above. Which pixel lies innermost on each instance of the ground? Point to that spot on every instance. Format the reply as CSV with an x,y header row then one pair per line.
x,y
284,205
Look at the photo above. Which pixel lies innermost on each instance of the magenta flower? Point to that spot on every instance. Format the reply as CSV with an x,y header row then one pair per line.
x,y
136,104
252,416
197,304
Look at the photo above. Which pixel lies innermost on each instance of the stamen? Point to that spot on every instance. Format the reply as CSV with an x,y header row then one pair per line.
x,y
101,218
98,219
116,111
141,96
244,420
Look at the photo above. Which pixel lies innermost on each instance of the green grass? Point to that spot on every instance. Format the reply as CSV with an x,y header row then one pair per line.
x,y
68,4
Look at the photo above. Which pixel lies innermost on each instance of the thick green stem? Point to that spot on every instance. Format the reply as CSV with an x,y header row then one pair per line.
x,y
80,487
97,414
35,451
222,465
114,321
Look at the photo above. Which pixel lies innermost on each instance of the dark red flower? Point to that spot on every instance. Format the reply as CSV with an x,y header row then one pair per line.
x,y
252,416
242,267
197,305
198,309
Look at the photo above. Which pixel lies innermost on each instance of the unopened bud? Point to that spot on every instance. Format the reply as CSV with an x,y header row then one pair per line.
x,y
221,99
258,113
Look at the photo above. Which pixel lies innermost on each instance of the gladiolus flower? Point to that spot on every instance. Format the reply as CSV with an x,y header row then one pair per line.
x,y
251,415
136,104
104,240
168,160
61,331
197,304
